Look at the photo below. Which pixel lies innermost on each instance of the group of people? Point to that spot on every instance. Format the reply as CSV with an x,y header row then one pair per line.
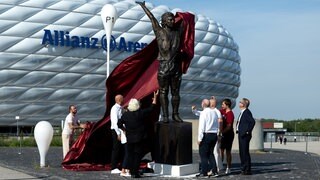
x,y
128,132
284,139
216,134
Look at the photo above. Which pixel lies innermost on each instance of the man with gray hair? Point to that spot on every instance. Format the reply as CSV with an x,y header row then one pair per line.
x,y
245,125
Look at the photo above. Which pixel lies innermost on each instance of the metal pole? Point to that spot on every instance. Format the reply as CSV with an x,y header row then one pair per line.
x,y
17,118
306,144
20,145
271,144
108,56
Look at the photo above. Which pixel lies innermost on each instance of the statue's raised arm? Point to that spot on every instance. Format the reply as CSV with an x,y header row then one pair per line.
x,y
169,38
155,23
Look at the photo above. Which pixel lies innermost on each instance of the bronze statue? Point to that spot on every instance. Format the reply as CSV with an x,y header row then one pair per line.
x,y
168,37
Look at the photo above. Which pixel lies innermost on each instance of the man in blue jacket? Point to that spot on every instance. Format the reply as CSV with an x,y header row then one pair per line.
x,y
244,129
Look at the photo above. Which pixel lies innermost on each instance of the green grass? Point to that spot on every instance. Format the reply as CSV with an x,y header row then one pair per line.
x,y
26,141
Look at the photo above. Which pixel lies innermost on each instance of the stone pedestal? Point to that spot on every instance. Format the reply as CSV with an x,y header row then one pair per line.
x,y
173,143
173,149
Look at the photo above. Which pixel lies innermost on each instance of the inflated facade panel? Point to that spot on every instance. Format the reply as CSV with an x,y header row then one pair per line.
x,y
51,56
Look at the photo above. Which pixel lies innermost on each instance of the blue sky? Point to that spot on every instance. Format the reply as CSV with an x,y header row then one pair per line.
x,y
279,44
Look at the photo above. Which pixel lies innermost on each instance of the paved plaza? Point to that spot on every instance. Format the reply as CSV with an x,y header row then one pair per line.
x,y
16,163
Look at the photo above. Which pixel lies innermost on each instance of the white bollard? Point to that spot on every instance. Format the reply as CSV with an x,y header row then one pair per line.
x,y
256,143
109,17
43,133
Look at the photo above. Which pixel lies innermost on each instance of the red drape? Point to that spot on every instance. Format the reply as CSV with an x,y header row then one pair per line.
x,y
134,77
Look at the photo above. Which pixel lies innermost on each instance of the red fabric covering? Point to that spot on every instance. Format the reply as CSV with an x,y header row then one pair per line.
x,y
134,77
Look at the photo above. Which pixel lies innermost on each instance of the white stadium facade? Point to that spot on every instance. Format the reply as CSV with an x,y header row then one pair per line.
x,y
52,54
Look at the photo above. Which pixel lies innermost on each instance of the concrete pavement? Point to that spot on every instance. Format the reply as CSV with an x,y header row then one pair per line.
x,y
280,164
7,173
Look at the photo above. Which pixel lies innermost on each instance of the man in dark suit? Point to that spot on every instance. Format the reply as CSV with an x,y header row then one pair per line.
x,y
245,125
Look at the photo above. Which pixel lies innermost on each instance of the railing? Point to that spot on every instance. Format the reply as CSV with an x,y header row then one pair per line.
x,y
291,137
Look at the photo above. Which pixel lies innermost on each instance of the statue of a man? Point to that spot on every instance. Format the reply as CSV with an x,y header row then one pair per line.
x,y
168,37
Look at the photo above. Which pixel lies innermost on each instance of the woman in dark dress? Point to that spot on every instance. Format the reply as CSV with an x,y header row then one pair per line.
x,y
133,124
227,132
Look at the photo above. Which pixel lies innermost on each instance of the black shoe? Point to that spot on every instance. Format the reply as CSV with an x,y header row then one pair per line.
x,y
201,175
176,118
165,119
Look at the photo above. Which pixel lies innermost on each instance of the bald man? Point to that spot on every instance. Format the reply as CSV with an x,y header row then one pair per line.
x,y
207,138
115,115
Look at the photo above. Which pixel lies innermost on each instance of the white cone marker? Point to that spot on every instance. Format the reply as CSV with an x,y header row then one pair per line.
x,y
43,133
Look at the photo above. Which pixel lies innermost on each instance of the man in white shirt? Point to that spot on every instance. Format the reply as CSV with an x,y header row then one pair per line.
x,y
213,103
115,115
70,124
207,138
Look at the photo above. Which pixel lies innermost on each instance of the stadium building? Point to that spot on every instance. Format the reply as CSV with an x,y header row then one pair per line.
x,y
52,54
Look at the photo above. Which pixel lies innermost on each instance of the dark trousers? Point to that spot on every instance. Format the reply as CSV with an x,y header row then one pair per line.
x,y
244,142
116,150
206,153
134,156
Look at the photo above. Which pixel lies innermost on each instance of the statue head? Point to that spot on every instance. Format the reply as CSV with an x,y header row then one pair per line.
x,y
167,20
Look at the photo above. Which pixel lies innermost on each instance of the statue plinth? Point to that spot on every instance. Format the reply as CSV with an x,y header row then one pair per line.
x,y
173,143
